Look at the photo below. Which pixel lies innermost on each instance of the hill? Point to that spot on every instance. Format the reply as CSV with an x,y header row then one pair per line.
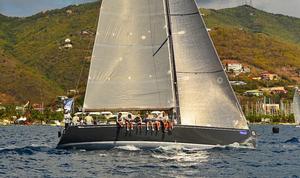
x,y
20,83
36,45
276,26
262,40
36,65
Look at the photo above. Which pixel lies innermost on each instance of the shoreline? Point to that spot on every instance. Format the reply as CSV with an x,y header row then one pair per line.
x,y
39,124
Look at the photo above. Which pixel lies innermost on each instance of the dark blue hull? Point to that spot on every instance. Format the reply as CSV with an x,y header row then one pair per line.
x,y
109,136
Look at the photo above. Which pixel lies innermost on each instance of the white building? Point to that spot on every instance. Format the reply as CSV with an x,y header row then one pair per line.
x,y
67,40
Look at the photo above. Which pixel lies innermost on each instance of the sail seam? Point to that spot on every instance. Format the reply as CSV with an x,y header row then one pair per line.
x,y
208,72
186,14
125,46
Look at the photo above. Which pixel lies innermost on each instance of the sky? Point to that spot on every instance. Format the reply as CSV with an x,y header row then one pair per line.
x,y
286,7
31,7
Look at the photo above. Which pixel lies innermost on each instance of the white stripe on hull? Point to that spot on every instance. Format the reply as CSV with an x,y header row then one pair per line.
x,y
139,144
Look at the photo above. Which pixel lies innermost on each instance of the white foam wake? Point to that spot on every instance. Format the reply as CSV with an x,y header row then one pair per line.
x,y
200,156
128,148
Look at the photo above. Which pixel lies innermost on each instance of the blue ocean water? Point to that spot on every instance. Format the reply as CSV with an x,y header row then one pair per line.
x,y
29,151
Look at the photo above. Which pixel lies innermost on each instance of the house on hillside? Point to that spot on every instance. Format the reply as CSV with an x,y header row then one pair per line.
x,y
256,78
275,90
232,65
253,93
235,67
67,40
68,43
271,108
269,76
237,83
38,107
69,12
68,46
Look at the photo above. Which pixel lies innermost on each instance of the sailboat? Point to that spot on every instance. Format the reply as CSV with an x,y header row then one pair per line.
x,y
154,55
296,107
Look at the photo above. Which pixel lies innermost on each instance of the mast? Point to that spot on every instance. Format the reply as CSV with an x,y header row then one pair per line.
x,y
173,61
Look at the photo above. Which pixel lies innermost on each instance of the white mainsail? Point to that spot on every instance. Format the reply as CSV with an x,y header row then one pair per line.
x,y
130,67
296,106
205,95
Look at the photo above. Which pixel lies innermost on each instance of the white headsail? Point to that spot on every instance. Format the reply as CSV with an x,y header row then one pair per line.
x,y
205,95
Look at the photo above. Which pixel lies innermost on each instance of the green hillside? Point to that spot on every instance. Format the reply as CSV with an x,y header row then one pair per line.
x,y
35,65
274,46
21,83
253,20
36,43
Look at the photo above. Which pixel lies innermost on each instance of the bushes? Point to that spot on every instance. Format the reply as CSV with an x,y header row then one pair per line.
x,y
273,118
32,115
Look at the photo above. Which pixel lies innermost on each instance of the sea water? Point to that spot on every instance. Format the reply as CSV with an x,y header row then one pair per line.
x,y
29,151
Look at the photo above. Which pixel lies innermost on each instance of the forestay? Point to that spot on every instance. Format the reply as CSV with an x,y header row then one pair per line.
x,y
205,95
296,106
130,68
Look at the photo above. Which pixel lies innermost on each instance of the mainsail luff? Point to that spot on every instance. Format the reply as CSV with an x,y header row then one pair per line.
x,y
125,73
205,95
296,106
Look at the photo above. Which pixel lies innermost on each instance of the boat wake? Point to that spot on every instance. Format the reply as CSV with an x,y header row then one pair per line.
x,y
128,148
181,154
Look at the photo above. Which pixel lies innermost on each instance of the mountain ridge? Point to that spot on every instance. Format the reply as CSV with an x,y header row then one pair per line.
x,y
34,47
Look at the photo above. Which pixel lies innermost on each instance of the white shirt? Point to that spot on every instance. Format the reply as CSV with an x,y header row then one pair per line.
x,y
89,120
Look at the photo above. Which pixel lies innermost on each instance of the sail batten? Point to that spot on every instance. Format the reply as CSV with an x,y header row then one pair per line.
x,y
125,74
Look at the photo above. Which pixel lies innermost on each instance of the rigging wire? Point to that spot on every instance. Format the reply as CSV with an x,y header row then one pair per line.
x,y
91,40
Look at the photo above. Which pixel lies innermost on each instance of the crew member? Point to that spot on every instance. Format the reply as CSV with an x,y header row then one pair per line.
x,y
128,122
119,120
88,120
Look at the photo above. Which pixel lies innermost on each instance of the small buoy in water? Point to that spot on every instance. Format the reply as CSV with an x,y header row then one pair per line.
x,y
275,129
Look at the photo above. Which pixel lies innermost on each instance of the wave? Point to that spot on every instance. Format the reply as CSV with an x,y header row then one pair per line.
x,y
168,148
293,140
102,155
32,149
25,150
